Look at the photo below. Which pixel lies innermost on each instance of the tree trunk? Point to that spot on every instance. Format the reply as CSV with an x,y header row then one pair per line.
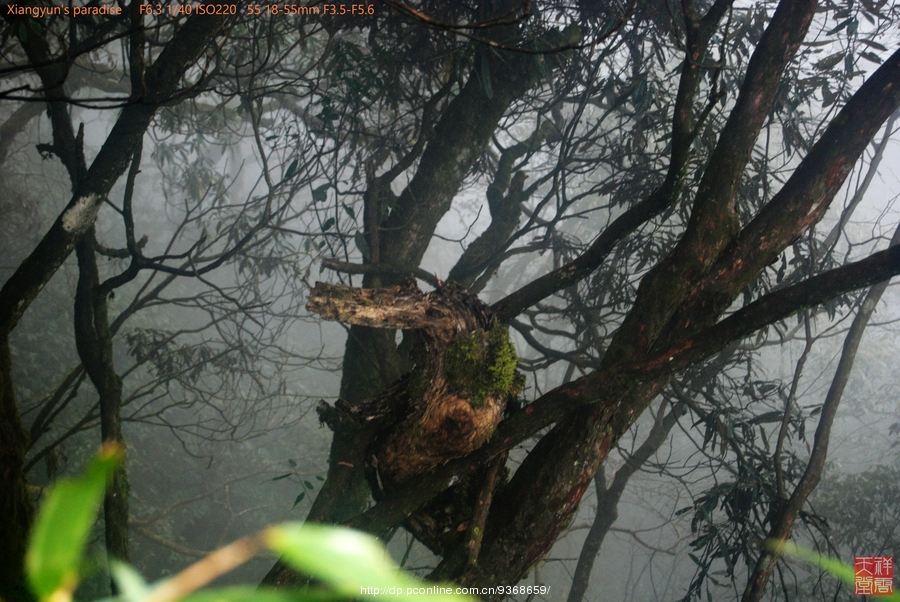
x,y
90,186
447,407
16,508
94,343
453,400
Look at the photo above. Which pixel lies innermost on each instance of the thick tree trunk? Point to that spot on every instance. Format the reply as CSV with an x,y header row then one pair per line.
x,y
447,407
453,400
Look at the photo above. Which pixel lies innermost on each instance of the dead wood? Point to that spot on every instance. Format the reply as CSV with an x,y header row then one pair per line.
x,y
452,401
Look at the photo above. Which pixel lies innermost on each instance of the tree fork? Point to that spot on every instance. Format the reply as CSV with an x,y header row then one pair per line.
x,y
371,360
447,407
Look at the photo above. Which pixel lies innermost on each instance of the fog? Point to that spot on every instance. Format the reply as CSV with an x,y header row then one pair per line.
x,y
350,151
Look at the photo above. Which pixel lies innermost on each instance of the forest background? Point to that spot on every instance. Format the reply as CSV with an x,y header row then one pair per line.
x,y
672,213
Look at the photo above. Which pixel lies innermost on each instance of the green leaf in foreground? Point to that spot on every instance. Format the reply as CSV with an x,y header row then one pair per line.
x,y
64,524
352,563
839,569
132,586
252,593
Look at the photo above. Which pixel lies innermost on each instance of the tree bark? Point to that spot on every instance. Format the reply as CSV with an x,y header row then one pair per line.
x,y
16,508
443,410
93,340
453,400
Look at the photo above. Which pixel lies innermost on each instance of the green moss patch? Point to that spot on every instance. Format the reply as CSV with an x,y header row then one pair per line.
x,y
483,363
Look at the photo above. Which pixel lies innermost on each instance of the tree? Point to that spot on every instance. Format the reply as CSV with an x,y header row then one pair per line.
x,y
369,130
677,303
174,60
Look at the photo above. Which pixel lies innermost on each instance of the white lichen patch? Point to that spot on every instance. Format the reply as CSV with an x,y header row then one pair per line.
x,y
79,217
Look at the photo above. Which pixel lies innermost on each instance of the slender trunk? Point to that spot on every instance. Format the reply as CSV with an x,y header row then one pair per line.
x,y
783,522
94,342
608,499
16,508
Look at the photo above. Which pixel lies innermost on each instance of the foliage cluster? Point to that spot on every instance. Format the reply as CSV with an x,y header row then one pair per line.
x,y
343,564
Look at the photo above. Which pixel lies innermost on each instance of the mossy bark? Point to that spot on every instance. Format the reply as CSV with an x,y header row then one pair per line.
x,y
457,392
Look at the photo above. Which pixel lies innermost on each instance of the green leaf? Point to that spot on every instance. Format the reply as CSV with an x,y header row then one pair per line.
x,y
308,485
362,245
132,586
328,224
64,524
839,569
298,499
354,564
249,593
350,211
283,476
320,193
291,170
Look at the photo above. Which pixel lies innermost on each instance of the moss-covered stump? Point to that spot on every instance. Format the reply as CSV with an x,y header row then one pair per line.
x,y
463,388
457,393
